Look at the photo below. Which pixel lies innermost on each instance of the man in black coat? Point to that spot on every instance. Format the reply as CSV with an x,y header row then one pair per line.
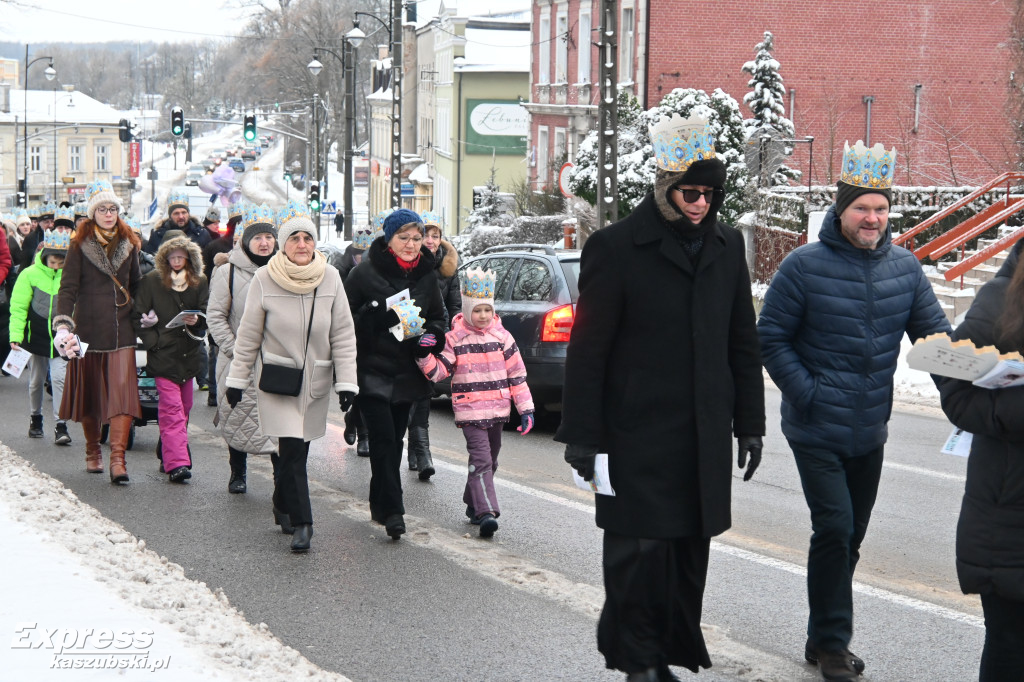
x,y
179,218
663,369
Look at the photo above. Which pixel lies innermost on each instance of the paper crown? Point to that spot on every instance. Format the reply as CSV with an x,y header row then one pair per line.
x,y
679,142
378,220
134,223
64,213
478,283
256,215
429,218
409,319
177,198
293,209
34,210
81,209
19,213
863,167
56,240
49,208
362,238
97,186
236,210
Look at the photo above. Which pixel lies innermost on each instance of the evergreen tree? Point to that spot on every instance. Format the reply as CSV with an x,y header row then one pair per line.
x,y
767,101
490,209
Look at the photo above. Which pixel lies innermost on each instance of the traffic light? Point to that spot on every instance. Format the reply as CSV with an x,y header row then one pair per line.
x,y
124,130
249,129
187,133
177,121
287,176
314,196
22,194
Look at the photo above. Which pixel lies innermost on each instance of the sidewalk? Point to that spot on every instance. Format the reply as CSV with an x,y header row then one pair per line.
x,y
82,593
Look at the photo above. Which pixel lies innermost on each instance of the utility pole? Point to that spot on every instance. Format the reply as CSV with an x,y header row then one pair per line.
x,y
608,118
396,103
348,67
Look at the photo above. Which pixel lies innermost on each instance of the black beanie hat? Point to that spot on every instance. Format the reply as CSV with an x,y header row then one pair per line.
x,y
846,193
707,172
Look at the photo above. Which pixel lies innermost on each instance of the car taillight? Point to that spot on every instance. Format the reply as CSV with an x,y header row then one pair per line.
x,y
557,324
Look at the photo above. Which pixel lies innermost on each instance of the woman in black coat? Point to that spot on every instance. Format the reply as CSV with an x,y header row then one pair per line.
x,y
389,380
990,533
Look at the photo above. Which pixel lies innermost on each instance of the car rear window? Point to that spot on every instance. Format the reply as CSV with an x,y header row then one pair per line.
x,y
533,283
571,269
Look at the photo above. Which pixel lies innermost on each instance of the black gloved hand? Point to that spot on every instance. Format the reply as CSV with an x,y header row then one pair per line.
x,y
581,458
752,445
386,319
419,351
234,396
345,400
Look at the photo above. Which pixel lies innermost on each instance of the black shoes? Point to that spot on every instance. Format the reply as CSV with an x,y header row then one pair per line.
x,y
237,460
363,447
179,475
414,462
488,524
419,452
211,400
282,519
350,431
659,674
300,540
61,435
35,426
237,483
471,515
838,666
395,526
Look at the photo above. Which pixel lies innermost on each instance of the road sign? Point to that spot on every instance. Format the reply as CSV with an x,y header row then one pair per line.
x,y
151,210
134,159
330,207
563,178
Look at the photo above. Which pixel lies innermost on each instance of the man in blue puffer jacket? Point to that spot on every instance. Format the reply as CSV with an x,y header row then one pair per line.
x,y
830,329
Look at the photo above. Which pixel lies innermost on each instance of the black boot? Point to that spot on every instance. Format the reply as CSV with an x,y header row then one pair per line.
x,y
649,675
363,446
419,444
300,541
414,459
394,526
236,458
350,427
280,518
35,426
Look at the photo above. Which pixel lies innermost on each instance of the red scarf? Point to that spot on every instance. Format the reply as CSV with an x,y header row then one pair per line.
x,y
406,265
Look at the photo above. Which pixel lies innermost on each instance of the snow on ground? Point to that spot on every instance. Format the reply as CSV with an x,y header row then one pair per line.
x,y
81,591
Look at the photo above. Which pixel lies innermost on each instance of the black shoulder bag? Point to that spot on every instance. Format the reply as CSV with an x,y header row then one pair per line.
x,y
282,380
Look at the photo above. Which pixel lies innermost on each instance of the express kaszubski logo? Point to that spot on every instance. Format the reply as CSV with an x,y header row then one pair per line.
x,y
85,648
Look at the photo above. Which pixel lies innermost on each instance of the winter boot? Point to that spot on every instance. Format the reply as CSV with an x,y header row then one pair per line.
x,y
120,428
93,451
414,459
61,435
350,427
35,426
488,525
394,526
419,443
363,444
280,518
236,458
811,656
300,539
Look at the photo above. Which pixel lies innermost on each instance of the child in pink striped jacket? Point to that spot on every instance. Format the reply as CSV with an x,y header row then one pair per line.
x,y
487,372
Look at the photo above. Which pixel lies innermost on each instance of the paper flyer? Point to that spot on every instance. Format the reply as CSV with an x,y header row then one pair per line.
x,y
390,302
178,319
16,361
601,483
958,444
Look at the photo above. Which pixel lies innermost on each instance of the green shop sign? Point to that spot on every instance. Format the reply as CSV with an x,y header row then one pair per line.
x,y
496,127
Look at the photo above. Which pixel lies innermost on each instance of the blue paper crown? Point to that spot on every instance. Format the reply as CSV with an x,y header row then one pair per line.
x,y
97,186
293,209
49,208
253,215
409,316
378,220
863,167
679,142
236,210
362,238
134,224
56,240
64,213
429,218
177,198
34,210
478,283
20,212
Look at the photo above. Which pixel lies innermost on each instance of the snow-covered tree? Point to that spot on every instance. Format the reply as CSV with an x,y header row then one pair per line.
x,y
767,101
490,209
636,156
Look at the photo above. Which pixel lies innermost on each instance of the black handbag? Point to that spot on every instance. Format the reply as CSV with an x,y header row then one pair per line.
x,y
282,380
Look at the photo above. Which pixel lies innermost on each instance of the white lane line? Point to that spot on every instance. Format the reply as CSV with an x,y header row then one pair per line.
x,y
770,562
925,472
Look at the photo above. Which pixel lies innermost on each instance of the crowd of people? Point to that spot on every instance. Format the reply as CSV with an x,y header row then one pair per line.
x,y
665,317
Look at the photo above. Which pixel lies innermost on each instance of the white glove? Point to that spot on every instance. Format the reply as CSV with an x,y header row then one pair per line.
x,y
59,339
149,319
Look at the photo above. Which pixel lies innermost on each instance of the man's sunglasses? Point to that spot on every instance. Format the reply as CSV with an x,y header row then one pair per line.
x,y
690,196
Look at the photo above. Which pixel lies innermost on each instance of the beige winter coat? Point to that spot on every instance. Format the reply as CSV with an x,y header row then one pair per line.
x,y
275,321
240,426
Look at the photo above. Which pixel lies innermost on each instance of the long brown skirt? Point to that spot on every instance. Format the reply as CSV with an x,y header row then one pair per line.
x,y
101,385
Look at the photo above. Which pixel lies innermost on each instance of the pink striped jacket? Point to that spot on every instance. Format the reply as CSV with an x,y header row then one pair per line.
x,y
487,372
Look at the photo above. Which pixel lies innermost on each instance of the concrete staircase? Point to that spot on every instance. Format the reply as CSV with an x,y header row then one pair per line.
x,y
954,300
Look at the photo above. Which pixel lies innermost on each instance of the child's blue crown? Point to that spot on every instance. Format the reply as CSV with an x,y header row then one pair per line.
x,y
478,283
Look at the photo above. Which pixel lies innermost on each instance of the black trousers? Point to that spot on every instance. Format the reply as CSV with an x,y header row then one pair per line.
x,y
420,414
654,594
386,423
1002,659
292,484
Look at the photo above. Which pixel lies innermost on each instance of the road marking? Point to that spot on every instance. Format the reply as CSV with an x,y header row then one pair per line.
x,y
761,559
925,472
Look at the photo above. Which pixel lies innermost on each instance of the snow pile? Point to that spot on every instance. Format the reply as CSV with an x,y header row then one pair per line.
x,y
204,631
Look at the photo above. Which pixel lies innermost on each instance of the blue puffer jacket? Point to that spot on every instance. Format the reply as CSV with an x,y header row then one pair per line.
x,y
830,330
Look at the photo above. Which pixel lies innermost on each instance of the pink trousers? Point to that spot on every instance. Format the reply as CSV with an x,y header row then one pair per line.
x,y
172,413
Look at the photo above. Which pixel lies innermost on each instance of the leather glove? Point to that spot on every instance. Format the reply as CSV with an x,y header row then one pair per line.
x,y
148,319
752,445
234,396
581,458
527,423
59,339
345,400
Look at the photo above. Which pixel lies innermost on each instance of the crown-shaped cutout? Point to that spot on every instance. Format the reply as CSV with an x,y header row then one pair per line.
x,y
378,220
253,215
362,238
56,240
20,212
177,198
236,210
478,283
49,208
679,142
429,218
97,186
409,318
64,213
135,224
293,209
863,167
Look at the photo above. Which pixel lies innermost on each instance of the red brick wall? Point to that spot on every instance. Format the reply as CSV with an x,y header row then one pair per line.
x,y
834,54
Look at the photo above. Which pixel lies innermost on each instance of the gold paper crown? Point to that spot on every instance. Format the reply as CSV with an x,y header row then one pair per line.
x,y
56,240
679,142
293,209
478,283
254,214
409,316
863,167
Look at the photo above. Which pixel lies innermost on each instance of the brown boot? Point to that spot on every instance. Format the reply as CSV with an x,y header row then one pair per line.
x,y
120,427
93,451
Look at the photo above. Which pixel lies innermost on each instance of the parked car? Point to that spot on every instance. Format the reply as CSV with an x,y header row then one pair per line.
x,y
535,297
237,165
249,153
195,174
210,164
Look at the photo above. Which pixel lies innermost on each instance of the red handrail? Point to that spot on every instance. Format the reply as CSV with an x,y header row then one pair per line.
x,y
999,245
969,229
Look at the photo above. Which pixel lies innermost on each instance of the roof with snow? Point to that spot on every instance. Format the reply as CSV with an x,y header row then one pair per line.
x,y
71,107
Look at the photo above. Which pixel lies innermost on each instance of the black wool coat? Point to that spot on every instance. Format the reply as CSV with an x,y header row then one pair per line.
x,y
386,367
663,370
989,537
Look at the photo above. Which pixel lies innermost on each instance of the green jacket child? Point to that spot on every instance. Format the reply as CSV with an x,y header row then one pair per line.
x,y
33,302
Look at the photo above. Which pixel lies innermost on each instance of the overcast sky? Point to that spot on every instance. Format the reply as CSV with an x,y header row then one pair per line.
x,y
97,21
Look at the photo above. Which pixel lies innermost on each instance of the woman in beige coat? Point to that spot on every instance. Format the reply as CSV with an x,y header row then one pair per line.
x,y
296,315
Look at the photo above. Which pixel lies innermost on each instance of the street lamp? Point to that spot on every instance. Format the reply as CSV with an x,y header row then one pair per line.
x,y
50,74
346,59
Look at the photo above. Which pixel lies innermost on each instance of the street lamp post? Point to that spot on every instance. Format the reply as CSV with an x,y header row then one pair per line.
x,y
50,74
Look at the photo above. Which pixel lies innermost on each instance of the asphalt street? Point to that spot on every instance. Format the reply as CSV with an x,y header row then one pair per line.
x,y
444,604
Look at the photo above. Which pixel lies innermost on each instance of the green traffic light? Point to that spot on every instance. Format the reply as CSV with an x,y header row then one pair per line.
x,y
250,135
177,130
314,206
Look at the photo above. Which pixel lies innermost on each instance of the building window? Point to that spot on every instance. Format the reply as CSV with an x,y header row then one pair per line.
x,y
544,59
560,150
443,138
75,158
562,48
102,157
542,158
583,49
627,28
35,159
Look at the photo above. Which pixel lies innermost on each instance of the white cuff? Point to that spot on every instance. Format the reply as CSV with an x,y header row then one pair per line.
x,y
339,387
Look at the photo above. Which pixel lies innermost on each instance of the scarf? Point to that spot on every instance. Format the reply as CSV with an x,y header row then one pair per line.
x,y
406,265
298,279
257,260
107,239
179,280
